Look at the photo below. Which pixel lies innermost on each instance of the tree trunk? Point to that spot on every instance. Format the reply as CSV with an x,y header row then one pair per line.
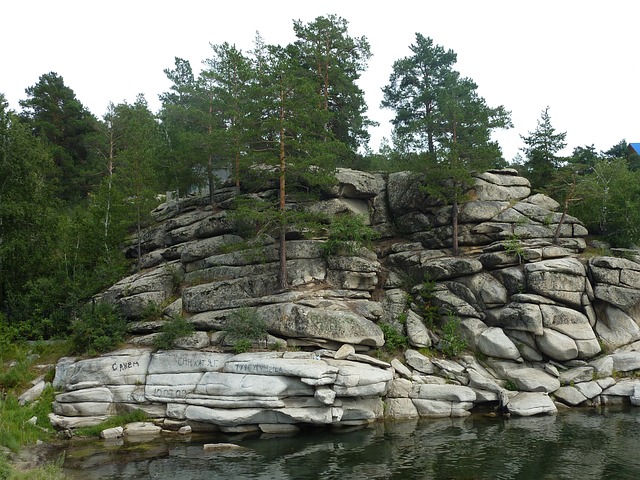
x,y
454,227
565,208
282,250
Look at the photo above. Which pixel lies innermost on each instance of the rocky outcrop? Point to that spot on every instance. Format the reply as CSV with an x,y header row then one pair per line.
x,y
539,316
208,390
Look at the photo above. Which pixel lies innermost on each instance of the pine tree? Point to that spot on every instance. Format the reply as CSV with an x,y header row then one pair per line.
x,y
541,148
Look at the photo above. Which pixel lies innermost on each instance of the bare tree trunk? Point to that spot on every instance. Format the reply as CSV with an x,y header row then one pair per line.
x,y
454,227
282,273
570,196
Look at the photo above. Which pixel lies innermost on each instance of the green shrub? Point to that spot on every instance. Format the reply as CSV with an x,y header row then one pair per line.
x,y
428,311
244,328
451,341
98,329
513,246
511,385
8,338
393,340
151,312
171,331
347,233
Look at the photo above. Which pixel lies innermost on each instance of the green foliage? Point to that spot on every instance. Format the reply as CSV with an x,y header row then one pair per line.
x,y
451,341
99,328
152,312
335,60
513,246
442,123
426,309
59,119
8,339
609,201
19,363
15,427
393,340
348,233
16,376
244,328
171,331
112,422
511,385
541,148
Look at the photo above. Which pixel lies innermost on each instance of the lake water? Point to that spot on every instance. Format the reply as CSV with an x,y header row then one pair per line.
x,y
571,445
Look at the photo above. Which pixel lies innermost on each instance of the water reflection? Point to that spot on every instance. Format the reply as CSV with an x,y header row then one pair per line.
x,y
573,445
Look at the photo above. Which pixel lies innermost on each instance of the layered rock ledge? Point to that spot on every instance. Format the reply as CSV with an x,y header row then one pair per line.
x,y
544,325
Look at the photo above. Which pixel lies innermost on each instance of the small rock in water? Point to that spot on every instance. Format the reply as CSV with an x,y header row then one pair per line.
x,y
213,447
109,433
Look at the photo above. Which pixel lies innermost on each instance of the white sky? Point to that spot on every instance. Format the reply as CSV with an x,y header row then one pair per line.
x,y
576,56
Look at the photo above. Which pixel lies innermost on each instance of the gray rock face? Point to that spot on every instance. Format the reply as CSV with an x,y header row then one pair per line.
x,y
220,389
494,343
356,184
501,186
614,326
343,326
417,332
559,279
525,317
519,298
533,380
557,345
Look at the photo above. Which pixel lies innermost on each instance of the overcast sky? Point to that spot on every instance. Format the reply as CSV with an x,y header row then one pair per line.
x,y
577,57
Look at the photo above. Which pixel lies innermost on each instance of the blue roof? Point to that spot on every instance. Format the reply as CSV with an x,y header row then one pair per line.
x,y
636,147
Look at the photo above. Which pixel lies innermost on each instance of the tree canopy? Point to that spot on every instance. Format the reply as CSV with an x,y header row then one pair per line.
x,y
442,122
74,186
541,148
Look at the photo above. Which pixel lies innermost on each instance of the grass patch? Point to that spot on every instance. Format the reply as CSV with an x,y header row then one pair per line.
x,y
16,428
26,362
112,422
50,471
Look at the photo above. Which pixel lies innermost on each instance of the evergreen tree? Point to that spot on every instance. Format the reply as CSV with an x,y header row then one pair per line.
x,y
541,148
619,150
136,174
55,115
463,139
441,125
180,117
28,214
415,87
335,61
292,145
230,76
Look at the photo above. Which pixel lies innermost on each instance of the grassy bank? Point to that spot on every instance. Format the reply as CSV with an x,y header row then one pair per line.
x,y
46,472
20,425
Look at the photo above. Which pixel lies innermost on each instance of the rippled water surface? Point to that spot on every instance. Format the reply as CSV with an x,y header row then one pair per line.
x,y
573,445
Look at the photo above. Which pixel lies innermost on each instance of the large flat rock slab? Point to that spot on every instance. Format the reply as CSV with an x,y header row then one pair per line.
x,y
526,404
